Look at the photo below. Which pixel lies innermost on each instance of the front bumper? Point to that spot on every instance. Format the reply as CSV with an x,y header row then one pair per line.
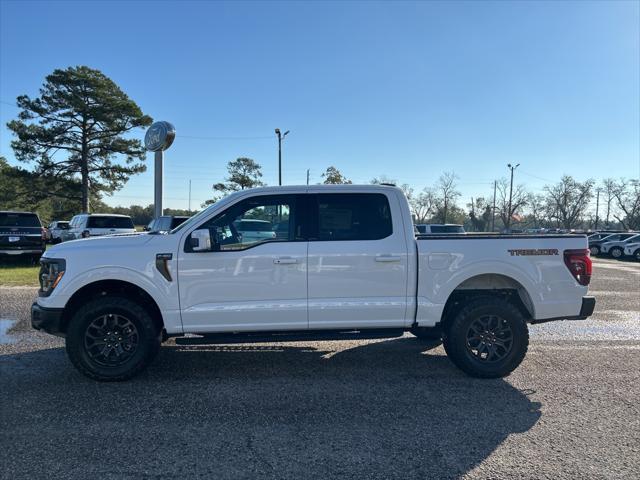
x,y
47,319
586,310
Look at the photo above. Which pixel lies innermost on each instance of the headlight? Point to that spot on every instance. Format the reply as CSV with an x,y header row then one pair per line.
x,y
51,272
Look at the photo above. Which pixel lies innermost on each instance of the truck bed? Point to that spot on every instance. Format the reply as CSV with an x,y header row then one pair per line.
x,y
532,265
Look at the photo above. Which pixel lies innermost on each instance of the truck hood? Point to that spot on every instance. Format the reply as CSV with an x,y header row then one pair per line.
x,y
123,241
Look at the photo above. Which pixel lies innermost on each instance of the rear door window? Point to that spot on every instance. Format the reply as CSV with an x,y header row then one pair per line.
x,y
352,216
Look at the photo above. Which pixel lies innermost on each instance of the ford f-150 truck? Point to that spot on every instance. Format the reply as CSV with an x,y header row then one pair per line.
x,y
345,264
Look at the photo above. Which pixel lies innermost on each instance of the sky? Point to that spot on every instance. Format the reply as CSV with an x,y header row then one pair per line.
x,y
403,89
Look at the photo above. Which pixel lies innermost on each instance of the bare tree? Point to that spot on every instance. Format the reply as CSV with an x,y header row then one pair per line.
x,y
424,205
537,208
447,195
480,214
627,195
568,200
519,199
609,187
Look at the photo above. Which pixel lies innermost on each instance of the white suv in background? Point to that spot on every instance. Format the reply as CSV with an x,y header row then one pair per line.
x,y
96,225
632,250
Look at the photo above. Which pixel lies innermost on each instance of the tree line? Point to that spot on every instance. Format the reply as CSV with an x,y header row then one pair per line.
x,y
567,204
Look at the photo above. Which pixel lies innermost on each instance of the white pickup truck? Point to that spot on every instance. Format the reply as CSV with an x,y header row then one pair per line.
x,y
344,264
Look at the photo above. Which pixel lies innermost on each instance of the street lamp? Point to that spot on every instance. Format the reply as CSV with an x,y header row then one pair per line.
x,y
280,137
512,168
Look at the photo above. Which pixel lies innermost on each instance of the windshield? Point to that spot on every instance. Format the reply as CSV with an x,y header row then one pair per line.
x,y
19,220
195,219
110,222
63,225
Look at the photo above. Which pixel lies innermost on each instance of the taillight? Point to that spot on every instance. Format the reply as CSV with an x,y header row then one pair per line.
x,y
43,233
579,264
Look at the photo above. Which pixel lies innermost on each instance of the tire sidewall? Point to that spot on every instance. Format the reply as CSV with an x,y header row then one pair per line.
x,y
99,307
456,338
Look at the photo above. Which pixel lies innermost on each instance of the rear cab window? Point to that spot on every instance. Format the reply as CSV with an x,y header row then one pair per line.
x,y
352,216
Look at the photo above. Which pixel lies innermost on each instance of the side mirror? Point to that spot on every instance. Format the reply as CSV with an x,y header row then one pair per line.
x,y
201,240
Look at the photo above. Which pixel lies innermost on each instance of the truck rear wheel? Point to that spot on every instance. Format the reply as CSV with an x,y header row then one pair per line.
x,y
488,338
112,339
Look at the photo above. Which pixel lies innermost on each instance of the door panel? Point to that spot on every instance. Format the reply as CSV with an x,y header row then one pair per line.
x,y
257,280
245,290
360,282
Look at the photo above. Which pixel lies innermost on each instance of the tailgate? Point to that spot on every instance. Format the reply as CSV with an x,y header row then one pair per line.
x,y
21,238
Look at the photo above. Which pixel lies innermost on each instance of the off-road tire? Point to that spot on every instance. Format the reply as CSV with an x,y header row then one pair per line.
x,y
148,345
456,342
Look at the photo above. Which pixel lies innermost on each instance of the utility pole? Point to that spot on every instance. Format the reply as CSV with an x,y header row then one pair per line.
x,y
597,206
307,176
509,213
189,195
493,210
280,137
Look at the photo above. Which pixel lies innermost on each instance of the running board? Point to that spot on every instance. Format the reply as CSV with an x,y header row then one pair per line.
x,y
295,336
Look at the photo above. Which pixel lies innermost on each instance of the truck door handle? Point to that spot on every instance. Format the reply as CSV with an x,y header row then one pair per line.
x,y
388,258
285,260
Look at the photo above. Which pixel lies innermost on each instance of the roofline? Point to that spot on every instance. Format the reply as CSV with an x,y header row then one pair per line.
x,y
19,211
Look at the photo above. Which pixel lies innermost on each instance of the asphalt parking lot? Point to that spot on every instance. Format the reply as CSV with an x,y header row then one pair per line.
x,y
366,409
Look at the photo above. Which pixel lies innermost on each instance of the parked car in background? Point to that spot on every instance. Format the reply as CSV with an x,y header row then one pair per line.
x,y
96,225
632,250
595,245
435,228
165,223
616,248
55,229
254,230
597,236
21,235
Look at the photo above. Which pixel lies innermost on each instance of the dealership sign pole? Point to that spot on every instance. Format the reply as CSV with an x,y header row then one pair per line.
x,y
159,137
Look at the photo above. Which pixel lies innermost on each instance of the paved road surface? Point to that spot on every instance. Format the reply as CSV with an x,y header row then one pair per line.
x,y
375,409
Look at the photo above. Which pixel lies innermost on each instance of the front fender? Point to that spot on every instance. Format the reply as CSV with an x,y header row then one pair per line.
x,y
163,292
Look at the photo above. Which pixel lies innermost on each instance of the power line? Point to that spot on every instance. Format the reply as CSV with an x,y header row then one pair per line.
x,y
193,137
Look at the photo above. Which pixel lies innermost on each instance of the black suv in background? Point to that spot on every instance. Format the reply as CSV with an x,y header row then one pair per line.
x,y
21,236
165,223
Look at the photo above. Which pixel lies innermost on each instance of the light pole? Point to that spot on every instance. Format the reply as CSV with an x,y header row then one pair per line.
x,y
597,207
280,137
512,168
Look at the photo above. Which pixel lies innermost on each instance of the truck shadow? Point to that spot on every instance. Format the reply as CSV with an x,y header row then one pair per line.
x,y
385,409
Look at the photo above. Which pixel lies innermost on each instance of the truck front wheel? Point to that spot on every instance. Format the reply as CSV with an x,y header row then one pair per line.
x,y
488,338
112,339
